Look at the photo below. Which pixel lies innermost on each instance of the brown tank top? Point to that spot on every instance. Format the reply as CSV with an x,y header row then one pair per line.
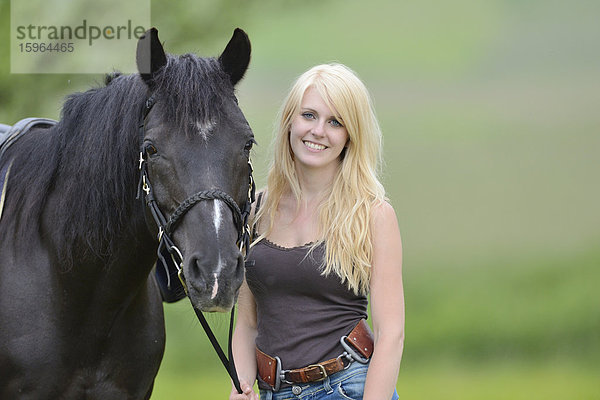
x,y
301,314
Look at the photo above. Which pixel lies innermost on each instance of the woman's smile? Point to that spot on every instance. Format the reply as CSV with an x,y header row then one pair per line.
x,y
314,146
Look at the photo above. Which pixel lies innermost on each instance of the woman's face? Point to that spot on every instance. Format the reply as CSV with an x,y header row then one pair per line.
x,y
317,134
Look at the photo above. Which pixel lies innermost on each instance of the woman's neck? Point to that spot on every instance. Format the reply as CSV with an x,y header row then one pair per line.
x,y
315,182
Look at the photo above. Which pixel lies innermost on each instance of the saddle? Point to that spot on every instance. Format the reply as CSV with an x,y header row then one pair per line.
x,y
8,136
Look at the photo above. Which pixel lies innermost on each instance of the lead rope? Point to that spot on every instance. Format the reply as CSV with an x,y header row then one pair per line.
x,y
228,363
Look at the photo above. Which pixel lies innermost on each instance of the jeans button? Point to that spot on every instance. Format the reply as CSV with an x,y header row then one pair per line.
x,y
296,390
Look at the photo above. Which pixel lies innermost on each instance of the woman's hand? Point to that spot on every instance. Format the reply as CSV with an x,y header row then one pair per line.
x,y
248,394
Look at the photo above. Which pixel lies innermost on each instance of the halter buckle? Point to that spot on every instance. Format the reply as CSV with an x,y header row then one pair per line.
x,y
145,186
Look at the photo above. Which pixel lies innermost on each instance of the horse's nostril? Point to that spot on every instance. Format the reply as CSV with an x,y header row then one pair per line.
x,y
199,269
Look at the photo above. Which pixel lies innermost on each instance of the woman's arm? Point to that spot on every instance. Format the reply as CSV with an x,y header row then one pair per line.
x,y
243,344
387,304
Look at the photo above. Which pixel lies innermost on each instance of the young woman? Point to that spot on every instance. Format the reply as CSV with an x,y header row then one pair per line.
x,y
326,238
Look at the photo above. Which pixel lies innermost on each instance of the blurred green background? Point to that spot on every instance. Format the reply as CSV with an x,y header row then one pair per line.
x,y
490,113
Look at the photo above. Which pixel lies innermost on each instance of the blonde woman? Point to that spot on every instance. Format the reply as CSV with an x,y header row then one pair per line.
x,y
326,239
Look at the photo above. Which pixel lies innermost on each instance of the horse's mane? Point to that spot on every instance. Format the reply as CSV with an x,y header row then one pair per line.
x,y
89,159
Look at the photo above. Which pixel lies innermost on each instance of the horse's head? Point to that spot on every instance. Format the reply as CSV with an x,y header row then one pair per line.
x,y
196,146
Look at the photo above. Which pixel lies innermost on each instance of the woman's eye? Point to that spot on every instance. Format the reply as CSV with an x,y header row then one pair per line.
x,y
308,115
336,123
151,150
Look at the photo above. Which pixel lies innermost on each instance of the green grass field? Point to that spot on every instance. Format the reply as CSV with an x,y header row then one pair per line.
x,y
495,382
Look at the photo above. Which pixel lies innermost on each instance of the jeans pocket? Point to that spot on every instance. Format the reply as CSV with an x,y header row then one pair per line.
x,y
350,391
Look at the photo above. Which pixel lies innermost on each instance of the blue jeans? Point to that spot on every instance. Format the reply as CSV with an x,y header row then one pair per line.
x,y
344,385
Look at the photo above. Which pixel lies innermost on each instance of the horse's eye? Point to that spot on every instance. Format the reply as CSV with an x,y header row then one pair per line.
x,y
151,150
249,144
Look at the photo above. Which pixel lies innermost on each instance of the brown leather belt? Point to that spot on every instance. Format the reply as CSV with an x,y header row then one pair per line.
x,y
358,345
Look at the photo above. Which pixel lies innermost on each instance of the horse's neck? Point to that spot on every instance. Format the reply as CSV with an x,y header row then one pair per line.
x,y
123,269
112,284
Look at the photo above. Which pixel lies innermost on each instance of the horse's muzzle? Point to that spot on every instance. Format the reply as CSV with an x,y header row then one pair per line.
x,y
213,286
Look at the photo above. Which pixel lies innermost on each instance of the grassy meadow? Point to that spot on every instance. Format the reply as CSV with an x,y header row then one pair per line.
x,y
489,111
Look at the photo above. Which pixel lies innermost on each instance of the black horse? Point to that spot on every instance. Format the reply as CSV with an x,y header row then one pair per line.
x,y
80,312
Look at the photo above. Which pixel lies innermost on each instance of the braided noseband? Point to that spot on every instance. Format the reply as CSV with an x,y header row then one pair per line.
x,y
198,197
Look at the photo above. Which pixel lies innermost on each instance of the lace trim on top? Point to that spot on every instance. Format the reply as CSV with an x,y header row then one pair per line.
x,y
283,248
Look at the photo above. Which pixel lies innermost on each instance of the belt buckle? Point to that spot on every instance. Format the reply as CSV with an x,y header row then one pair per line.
x,y
279,375
322,370
353,353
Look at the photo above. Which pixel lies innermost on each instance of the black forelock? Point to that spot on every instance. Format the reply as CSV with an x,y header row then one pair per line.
x,y
191,89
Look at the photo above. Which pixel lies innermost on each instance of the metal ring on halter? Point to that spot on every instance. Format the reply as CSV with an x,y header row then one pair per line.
x,y
145,186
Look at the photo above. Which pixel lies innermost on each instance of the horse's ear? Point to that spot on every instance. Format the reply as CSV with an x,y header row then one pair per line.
x,y
150,55
236,56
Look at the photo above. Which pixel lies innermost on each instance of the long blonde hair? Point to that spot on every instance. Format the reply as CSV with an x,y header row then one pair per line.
x,y
345,213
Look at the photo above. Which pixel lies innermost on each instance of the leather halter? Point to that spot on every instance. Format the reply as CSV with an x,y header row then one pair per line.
x,y
167,226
